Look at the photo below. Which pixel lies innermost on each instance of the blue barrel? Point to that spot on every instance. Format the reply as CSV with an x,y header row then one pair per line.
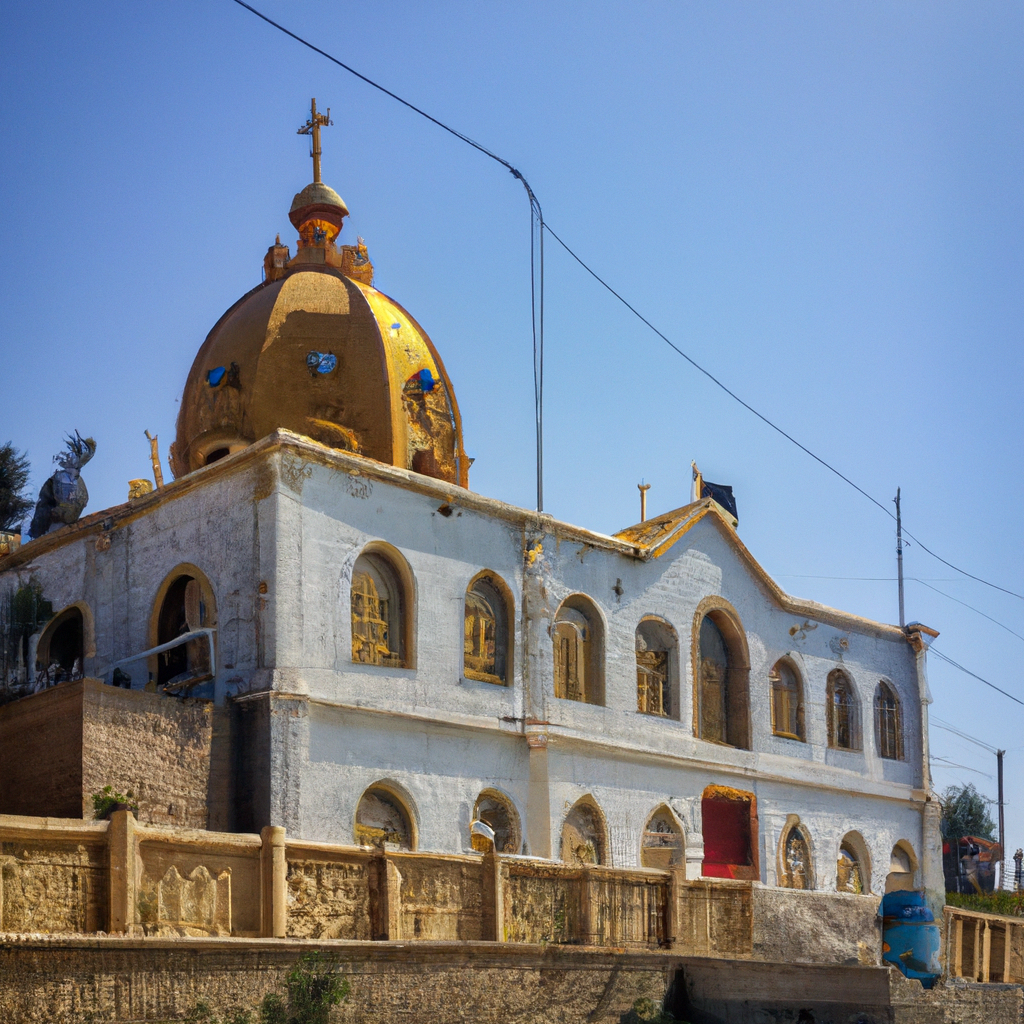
x,y
910,936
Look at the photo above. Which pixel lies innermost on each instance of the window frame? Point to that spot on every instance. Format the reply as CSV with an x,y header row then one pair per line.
x,y
666,636
786,662
507,606
593,648
856,744
738,731
389,563
895,752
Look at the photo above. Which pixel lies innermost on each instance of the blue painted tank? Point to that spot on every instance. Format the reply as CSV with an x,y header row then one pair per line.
x,y
910,936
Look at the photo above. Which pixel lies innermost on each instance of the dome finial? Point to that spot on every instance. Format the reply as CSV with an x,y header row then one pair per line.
x,y
312,127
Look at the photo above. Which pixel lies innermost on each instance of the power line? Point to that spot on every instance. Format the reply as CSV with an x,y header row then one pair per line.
x,y
974,675
535,210
966,605
954,764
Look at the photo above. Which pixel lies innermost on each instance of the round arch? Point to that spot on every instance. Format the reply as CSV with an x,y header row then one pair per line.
x,y
65,642
843,706
721,693
786,679
578,648
178,608
385,815
498,810
383,565
903,867
585,834
657,667
853,865
488,646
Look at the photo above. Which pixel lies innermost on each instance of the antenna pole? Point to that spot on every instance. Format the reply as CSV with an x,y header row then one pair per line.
x,y
899,556
643,488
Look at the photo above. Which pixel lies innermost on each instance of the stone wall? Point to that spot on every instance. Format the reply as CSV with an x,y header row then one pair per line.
x,y
60,746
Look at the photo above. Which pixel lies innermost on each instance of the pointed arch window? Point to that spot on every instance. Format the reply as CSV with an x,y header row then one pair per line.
x,y
663,844
378,613
795,857
787,702
584,837
486,632
888,727
843,713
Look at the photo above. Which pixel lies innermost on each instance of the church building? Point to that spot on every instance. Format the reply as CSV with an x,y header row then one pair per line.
x,y
391,660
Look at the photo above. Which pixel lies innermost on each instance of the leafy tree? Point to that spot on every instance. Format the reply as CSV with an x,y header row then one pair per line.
x,y
13,478
964,813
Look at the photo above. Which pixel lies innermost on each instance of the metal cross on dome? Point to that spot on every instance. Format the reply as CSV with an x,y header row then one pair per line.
x,y
312,127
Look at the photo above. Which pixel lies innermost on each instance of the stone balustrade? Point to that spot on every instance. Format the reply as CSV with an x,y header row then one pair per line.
x,y
984,947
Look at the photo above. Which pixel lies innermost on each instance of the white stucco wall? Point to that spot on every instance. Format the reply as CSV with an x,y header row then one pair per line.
x,y
290,518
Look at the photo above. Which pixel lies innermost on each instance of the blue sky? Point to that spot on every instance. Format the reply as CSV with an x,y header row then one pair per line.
x,y
821,203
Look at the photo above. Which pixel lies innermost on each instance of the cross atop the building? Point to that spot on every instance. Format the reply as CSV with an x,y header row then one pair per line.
x,y
312,127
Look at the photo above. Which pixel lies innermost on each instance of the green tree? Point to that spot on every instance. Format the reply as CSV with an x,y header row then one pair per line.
x,y
965,813
13,478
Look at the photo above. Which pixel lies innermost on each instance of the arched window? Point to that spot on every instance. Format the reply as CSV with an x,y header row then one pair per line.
x,y
496,810
730,833
584,840
486,640
795,871
888,727
853,872
579,642
655,668
721,675
662,846
187,606
60,654
787,703
843,712
902,868
378,613
382,818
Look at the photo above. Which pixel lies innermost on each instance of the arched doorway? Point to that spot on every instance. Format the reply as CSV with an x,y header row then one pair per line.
x,y
186,605
60,654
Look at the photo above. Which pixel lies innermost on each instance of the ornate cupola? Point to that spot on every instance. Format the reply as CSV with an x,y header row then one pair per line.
x,y
317,350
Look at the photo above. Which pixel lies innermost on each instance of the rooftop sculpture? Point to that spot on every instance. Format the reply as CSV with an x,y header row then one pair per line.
x,y
64,495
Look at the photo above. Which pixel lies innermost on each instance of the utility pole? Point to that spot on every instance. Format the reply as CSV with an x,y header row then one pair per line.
x,y
1002,832
899,556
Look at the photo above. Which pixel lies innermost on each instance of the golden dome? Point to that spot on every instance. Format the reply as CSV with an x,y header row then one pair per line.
x,y
317,350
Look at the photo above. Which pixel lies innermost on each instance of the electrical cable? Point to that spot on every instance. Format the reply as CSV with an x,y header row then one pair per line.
x,y
935,720
915,579
974,675
539,386
954,764
535,211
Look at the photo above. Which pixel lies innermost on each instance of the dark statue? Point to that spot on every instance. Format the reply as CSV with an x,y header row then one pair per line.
x,y
63,497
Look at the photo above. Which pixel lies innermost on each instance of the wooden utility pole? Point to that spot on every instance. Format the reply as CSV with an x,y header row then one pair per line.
x,y
899,556
1002,831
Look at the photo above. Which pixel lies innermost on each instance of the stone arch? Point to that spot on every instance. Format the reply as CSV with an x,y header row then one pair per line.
x,y
720,661
843,707
657,667
795,855
903,866
585,834
64,644
578,647
787,699
853,865
382,607
384,816
663,842
488,616
730,829
497,809
184,603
